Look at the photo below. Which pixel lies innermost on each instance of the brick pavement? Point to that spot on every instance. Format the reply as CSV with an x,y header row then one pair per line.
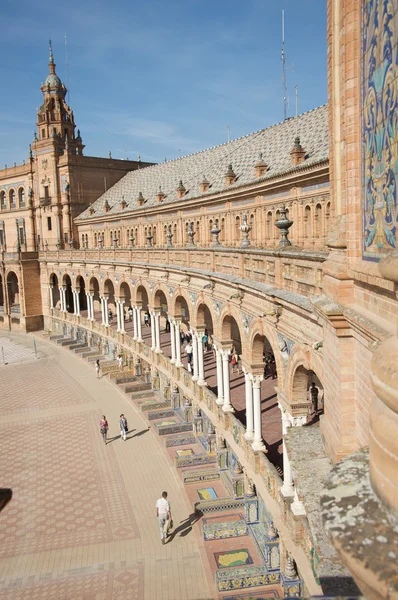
x,y
82,522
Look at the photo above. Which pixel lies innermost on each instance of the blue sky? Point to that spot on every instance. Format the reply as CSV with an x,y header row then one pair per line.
x,y
159,78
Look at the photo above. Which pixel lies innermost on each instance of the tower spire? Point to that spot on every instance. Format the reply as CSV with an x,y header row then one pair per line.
x,y
51,64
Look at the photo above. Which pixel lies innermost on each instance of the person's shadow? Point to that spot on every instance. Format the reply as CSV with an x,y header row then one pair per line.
x,y
185,526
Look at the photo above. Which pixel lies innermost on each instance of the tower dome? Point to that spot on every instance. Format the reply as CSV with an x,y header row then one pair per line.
x,y
53,82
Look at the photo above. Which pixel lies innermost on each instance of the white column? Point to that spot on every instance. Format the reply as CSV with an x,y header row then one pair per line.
x,y
178,344
102,311
51,297
92,306
153,331
249,406
61,299
122,329
227,406
258,444
135,324
220,378
172,340
117,306
74,301
63,294
201,380
157,332
106,312
77,304
88,300
139,324
195,375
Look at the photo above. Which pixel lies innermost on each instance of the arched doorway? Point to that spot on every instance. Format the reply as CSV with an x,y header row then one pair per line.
x,y
233,377
1,298
125,297
13,292
81,288
67,283
161,308
143,303
307,390
93,287
263,359
109,293
205,326
56,298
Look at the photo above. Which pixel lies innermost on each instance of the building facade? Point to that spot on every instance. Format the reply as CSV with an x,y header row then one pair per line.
x,y
272,245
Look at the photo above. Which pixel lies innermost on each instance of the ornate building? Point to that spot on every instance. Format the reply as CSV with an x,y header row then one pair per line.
x,y
269,245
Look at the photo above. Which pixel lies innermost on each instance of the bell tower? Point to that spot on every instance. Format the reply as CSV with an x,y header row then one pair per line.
x,y
55,120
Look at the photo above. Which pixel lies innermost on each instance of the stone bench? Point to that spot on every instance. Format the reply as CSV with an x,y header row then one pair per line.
x,y
239,578
223,531
195,460
200,475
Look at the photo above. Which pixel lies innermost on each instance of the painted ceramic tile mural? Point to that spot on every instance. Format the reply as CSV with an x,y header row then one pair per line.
x,y
379,126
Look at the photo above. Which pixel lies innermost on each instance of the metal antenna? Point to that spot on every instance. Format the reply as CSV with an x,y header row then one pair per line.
x,y
67,68
284,85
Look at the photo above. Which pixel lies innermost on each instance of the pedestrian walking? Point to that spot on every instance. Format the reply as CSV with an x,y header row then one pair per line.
x,y
110,316
167,324
131,312
104,427
272,367
124,428
146,319
188,352
314,393
163,512
120,362
235,362
98,367
205,340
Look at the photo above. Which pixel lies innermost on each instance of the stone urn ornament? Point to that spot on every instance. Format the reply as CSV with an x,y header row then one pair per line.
x,y
215,232
131,239
245,229
149,239
284,224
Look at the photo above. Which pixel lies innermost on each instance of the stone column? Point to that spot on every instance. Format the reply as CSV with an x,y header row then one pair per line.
x,y
92,307
121,309
227,406
178,343
74,301
117,315
153,331
220,378
258,444
139,324
172,340
195,358
77,304
88,300
249,435
51,297
61,299
135,323
106,311
156,314
64,299
287,489
201,365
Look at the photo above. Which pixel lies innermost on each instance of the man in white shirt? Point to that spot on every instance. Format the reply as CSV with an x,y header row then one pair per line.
x,y
163,513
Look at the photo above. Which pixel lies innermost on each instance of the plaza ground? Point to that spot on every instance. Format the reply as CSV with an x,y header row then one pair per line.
x,y
81,523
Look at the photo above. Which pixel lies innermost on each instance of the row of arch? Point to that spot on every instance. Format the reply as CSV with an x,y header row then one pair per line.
x,y
9,201
225,325
311,229
9,288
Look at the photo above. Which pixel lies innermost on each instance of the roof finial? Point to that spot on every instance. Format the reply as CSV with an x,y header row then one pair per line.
x,y
51,52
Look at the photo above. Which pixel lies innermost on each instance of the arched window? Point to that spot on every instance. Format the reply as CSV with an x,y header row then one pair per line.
x,y
12,199
154,236
318,221
237,229
3,200
222,232
270,229
95,240
307,222
21,197
197,232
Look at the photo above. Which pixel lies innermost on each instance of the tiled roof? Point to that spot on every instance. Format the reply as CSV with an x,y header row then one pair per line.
x,y
275,144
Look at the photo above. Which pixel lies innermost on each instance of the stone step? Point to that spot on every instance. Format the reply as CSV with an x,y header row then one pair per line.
x,y
56,337
195,460
107,369
93,355
145,406
197,475
180,440
242,578
174,428
141,394
77,346
66,342
160,414
85,348
124,377
136,386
